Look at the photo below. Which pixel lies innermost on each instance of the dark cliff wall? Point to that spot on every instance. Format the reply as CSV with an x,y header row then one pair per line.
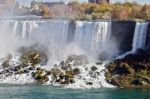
x,y
148,38
122,33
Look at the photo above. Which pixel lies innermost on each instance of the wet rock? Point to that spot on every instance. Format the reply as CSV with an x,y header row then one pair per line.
x,y
62,63
26,71
69,74
89,83
66,67
94,68
76,71
72,81
55,72
40,76
17,68
48,72
33,58
30,68
7,71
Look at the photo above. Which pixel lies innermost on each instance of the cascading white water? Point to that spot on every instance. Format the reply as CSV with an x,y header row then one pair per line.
x,y
92,36
89,38
139,38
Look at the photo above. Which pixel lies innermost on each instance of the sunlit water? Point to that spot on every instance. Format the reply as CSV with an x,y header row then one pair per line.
x,y
49,92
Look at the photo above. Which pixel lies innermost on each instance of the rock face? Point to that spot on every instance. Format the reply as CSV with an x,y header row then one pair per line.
x,y
131,71
122,33
148,38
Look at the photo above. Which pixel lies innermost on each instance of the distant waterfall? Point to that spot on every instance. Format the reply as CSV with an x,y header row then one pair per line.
x,y
139,38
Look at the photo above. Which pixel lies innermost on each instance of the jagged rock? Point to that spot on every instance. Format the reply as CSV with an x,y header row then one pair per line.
x,y
55,72
40,76
33,58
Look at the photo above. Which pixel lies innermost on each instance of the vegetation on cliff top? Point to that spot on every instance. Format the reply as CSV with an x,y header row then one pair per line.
x,y
91,11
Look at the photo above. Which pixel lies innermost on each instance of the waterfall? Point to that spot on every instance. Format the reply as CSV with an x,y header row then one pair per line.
x,y
139,38
92,36
89,38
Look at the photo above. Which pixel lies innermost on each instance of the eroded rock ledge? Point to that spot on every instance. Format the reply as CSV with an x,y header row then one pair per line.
x,y
130,71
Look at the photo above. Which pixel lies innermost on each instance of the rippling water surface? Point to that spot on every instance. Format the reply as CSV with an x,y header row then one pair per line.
x,y
49,92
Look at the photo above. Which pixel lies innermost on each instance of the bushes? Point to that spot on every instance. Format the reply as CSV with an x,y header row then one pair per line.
x,y
90,11
120,11
46,12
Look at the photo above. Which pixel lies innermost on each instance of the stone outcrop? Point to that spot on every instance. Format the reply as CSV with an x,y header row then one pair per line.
x,y
131,71
122,33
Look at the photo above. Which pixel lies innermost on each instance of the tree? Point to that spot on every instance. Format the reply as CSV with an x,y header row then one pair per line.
x,y
46,12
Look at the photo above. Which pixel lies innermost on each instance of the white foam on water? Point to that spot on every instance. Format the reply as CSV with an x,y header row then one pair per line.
x,y
88,76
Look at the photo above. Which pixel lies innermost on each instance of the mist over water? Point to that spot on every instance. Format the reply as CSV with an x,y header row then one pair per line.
x,y
52,36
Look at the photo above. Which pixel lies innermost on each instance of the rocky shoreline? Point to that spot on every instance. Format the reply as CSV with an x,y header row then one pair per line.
x,y
74,72
131,71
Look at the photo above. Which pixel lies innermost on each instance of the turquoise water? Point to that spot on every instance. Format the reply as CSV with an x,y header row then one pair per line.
x,y
49,92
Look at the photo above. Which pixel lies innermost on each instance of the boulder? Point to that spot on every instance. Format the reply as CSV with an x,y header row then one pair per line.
x,y
76,71
69,74
94,68
33,58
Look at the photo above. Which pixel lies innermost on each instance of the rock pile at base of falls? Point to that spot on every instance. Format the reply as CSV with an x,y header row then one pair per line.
x,y
131,71
75,70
